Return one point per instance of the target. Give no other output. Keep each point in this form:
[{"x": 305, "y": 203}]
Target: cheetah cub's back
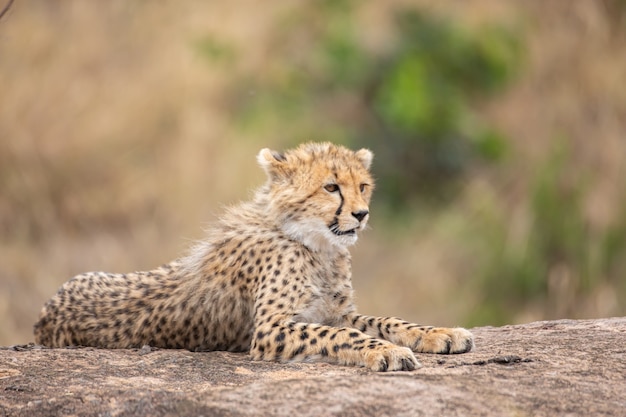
[{"x": 272, "y": 277}]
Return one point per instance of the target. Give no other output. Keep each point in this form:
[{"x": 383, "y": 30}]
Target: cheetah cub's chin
[
  {"x": 272, "y": 277},
  {"x": 316, "y": 235}
]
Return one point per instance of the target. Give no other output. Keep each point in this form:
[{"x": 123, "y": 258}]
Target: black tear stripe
[{"x": 338, "y": 212}]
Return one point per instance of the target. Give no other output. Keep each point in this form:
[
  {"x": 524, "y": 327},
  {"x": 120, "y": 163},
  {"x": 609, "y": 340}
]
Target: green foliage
[
  {"x": 560, "y": 231},
  {"x": 411, "y": 103},
  {"x": 437, "y": 70},
  {"x": 215, "y": 50},
  {"x": 561, "y": 260},
  {"x": 424, "y": 97}
]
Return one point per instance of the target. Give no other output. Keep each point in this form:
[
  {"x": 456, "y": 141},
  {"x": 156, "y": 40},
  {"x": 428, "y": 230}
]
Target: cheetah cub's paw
[
  {"x": 443, "y": 340},
  {"x": 391, "y": 358}
]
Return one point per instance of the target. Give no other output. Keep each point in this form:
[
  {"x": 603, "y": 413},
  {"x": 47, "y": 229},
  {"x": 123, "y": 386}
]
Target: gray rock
[{"x": 551, "y": 368}]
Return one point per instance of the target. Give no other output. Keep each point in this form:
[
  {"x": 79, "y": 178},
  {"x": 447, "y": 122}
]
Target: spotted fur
[{"x": 273, "y": 277}]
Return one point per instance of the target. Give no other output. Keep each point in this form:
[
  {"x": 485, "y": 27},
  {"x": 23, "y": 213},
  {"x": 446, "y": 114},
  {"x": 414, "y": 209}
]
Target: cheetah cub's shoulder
[{"x": 273, "y": 277}]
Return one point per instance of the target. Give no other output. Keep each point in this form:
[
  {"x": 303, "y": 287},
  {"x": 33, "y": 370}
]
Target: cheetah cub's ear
[
  {"x": 365, "y": 156},
  {"x": 272, "y": 162}
]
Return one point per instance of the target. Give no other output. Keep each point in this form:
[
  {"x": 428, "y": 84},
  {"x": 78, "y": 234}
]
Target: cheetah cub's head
[{"x": 319, "y": 193}]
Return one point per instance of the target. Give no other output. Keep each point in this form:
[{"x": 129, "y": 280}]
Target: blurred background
[{"x": 498, "y": 127}]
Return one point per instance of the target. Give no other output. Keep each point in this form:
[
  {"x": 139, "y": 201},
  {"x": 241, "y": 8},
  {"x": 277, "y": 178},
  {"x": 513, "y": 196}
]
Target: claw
[
  {"x": 469, "y": 345},
  {"x": 407, "y": 365},
  {"x": 448, "y": 347}
]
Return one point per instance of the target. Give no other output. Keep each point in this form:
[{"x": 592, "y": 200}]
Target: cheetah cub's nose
[{"x": 360, "y": 215}]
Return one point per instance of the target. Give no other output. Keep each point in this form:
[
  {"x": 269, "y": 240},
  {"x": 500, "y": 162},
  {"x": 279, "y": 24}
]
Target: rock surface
[{"x": 553, "y": 368}]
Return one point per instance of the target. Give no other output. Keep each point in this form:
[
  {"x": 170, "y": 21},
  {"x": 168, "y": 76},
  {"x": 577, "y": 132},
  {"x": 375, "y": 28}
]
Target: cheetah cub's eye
[
  {"x": 331, "y": 188},
  {"x": 362, "y": 187}
]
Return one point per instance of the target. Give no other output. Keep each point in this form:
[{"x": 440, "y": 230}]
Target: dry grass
[{"x": 116, "y": 143}]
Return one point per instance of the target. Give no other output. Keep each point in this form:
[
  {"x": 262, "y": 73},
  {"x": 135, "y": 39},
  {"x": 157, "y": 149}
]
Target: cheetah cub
[{"x": 271, "y": 278}]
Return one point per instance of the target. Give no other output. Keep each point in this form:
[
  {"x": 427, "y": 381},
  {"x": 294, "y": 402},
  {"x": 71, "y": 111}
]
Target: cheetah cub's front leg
[
  {"x": 280, "y": 339},
  {"x": 423, "y": 339}
]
